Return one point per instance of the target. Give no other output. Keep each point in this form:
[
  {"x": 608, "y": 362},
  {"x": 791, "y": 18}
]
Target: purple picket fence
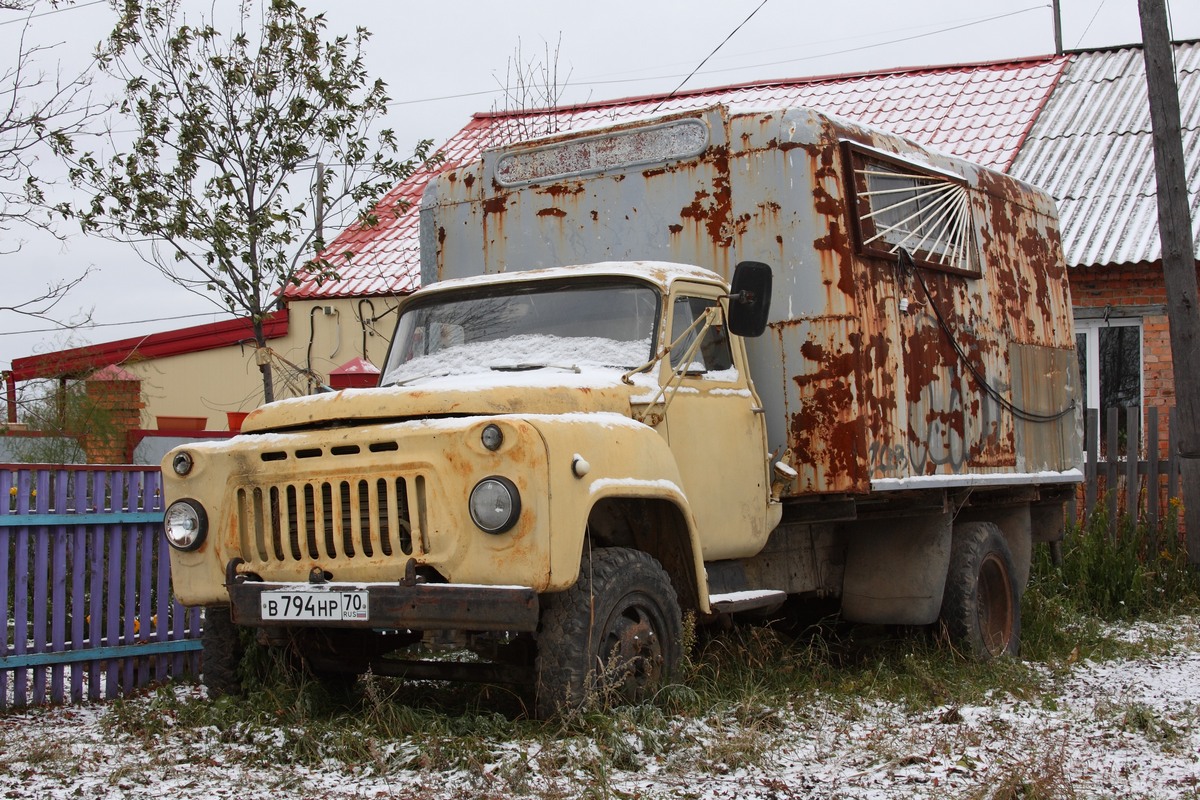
[{"x": 85, "y": 579}]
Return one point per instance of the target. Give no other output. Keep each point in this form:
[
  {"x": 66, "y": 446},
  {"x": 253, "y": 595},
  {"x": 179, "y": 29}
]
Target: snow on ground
[{"x": 1111, "y": 729}]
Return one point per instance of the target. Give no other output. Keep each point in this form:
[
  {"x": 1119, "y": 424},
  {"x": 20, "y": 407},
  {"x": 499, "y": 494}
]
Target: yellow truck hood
[{"x": 550, "y": 390}]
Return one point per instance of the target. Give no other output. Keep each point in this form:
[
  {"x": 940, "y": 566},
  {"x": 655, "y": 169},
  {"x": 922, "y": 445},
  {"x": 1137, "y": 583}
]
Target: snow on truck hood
[{"x": 546, "y": 390}]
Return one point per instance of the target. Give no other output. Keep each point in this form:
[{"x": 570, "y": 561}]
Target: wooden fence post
[
  {"x": 1132, "y": 452},
  {"x": 1110, "y": 472},
  {"x": 1172, "y": 460},
  {"x": 1152, "y": 481},
  {"x": 1091, "y": 473},
  {"x": 1152, "y": 468}
]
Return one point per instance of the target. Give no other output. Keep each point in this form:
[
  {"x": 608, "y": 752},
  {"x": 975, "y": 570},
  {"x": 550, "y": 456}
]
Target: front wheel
[
  {"x": 981, "y": 606},
  {"x": 222, "y": 655},
  {"x": 613, "y": 636}
]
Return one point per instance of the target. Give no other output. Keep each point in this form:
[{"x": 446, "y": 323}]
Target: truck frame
[{"x": 704, "y": 364}]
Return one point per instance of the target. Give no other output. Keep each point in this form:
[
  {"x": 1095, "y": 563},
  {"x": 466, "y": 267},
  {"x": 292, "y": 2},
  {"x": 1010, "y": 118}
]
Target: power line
[
  {"x": 856, "y": 37},
  {"x": 1091, "y": 21},
  {"x": 52, "y": 11},
  {"x": 458, "y": 96},
  {"x": 91, "y": 325},
  {"x": 713, "y": 53},
  {"x": 901, "y": 40}
]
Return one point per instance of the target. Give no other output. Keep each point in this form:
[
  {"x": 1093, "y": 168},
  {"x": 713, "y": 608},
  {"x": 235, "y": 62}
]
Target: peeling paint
[{"x": 863, "y": 381}]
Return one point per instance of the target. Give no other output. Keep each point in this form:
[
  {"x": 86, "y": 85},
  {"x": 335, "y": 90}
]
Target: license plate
[{"x": 317, "y": 606}]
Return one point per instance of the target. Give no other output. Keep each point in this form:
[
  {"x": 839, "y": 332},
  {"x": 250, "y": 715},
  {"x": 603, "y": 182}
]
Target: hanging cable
[
  {"x": 710, "y": 55},
  {"x": 981, "y": 380}
]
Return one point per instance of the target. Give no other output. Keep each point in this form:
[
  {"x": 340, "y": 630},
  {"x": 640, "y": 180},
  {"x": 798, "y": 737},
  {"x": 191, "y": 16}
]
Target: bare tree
[
  {"x": 42, "y": 114},
  {"x": 41, "y": 307},
  {"x": 531, "y": 95}
]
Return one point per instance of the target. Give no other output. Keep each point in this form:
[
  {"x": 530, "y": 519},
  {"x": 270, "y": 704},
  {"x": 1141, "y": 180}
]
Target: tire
[
  {"x": 613, "y": 637},
  {"x": 222, "y": 655},
  {"x": 981, "y": 605}
]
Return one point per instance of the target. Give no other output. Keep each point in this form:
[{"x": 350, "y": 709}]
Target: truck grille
[{"x": 358, "y": 518}]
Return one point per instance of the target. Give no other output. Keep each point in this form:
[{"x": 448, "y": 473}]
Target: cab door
[{"x": 715, "y": 427}]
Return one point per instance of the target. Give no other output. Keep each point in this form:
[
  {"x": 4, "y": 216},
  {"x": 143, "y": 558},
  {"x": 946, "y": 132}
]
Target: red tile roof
[
  {"x": 979, "y": 112},
  {"x": 81, "y": 360}
]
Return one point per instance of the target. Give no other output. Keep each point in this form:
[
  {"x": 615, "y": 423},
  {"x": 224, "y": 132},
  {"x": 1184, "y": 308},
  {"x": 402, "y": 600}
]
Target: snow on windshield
[
  {"x": 527, "y": 351},
  {"x": 559, "y": 324}
]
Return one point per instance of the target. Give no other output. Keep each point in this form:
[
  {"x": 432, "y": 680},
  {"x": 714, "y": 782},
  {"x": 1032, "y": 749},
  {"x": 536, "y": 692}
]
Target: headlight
[
  {"x": 495, "y": 504},
  {"x": 492, "y": 437},
  {"x": 185, "y": 524},
  {"x": 182, "y": 463}
]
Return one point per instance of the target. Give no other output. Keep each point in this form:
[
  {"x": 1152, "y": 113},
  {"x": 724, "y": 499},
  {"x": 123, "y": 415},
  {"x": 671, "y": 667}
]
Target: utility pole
[
  {"x": 319, "y": 204},
  {"x": 1178, "y": 256},
  {"x": 1058, "y": 44}
]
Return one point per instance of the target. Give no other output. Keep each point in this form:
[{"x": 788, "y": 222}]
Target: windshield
[{"x": 575, "y": 325}]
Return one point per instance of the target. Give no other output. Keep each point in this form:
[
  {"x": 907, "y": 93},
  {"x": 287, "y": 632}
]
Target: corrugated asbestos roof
[
  {"x": 1091, "y": 149},
  {"x": 979, "y": 112}
]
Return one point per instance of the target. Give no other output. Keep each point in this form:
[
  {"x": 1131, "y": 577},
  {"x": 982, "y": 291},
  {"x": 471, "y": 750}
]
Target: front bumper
[{"x": 402, "y": 606}]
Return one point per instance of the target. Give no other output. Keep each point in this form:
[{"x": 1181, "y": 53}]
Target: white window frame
[{"x": 1090, "y": 329}]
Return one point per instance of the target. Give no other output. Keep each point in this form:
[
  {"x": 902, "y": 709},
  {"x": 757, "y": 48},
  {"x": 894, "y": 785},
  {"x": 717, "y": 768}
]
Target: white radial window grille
[{"x": 927, "y": 215}]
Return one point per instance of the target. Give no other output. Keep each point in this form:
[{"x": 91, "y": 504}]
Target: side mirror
[{"x": 750, "y": 299}]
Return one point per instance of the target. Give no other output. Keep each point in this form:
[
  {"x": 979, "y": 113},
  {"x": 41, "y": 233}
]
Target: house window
[
  {"x": 899, "y": 205},
  {"x": 1110, "y": 369}
]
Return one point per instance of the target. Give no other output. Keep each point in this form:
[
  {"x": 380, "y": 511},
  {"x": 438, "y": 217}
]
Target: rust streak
[
  {"x": 497, "y": 204},
  {"x": 559, "y": 189}
]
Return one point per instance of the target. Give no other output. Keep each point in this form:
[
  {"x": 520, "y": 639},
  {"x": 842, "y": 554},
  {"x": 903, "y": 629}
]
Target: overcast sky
[{"x": 445, "y": 60}]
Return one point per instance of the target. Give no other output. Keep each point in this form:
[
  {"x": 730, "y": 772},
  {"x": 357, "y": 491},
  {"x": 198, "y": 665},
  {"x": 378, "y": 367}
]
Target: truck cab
[{"x": 520, "y": 421}]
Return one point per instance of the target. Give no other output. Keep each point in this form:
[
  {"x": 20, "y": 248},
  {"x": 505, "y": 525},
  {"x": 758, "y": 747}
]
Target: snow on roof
[{"x": 979, "y": 112}]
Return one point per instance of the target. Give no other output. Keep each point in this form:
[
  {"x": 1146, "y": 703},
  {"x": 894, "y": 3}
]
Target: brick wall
[
  {"x": 1136, "y": 289},
  {"x": 118, "y": 394}
]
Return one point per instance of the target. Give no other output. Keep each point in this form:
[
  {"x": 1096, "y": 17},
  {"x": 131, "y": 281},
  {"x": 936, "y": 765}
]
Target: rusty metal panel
[
  {"x": 978, "y": 112},
  {"x": 496, "y": 215},
  {"x": 1037, "y": 375},
  {"x": 871, "y": 374},
  {"x": 826, "y": 435}
]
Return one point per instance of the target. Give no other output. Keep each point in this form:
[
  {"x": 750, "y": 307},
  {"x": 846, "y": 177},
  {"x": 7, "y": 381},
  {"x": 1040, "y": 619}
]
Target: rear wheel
[
  {"x": 613, "y": 637},
  {"x": 981, "y": 605}
]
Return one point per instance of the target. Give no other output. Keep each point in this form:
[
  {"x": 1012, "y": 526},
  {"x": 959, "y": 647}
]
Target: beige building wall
[{"x": 321, "y": 336}]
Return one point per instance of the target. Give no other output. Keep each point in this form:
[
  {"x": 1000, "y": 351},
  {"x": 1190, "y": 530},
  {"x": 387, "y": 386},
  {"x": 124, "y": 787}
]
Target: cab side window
[{"x": 713, "y": 354}]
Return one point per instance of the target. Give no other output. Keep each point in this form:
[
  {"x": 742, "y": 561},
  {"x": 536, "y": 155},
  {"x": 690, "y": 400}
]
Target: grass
[
  {"x": 1038, "y": 775},
  {"x": 741, "y": 696},
  {"x": 1104, "y": 579}
]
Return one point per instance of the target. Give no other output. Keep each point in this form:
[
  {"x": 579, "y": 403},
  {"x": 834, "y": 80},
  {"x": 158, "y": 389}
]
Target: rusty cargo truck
[{"x": 583, "y": 432}]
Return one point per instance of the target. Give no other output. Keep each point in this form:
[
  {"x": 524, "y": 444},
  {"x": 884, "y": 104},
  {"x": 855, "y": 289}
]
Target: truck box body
[{"x": 874, "y": 377}]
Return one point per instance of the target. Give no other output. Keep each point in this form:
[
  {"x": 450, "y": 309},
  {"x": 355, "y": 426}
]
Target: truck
[{"x": 725, "y": 362}]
